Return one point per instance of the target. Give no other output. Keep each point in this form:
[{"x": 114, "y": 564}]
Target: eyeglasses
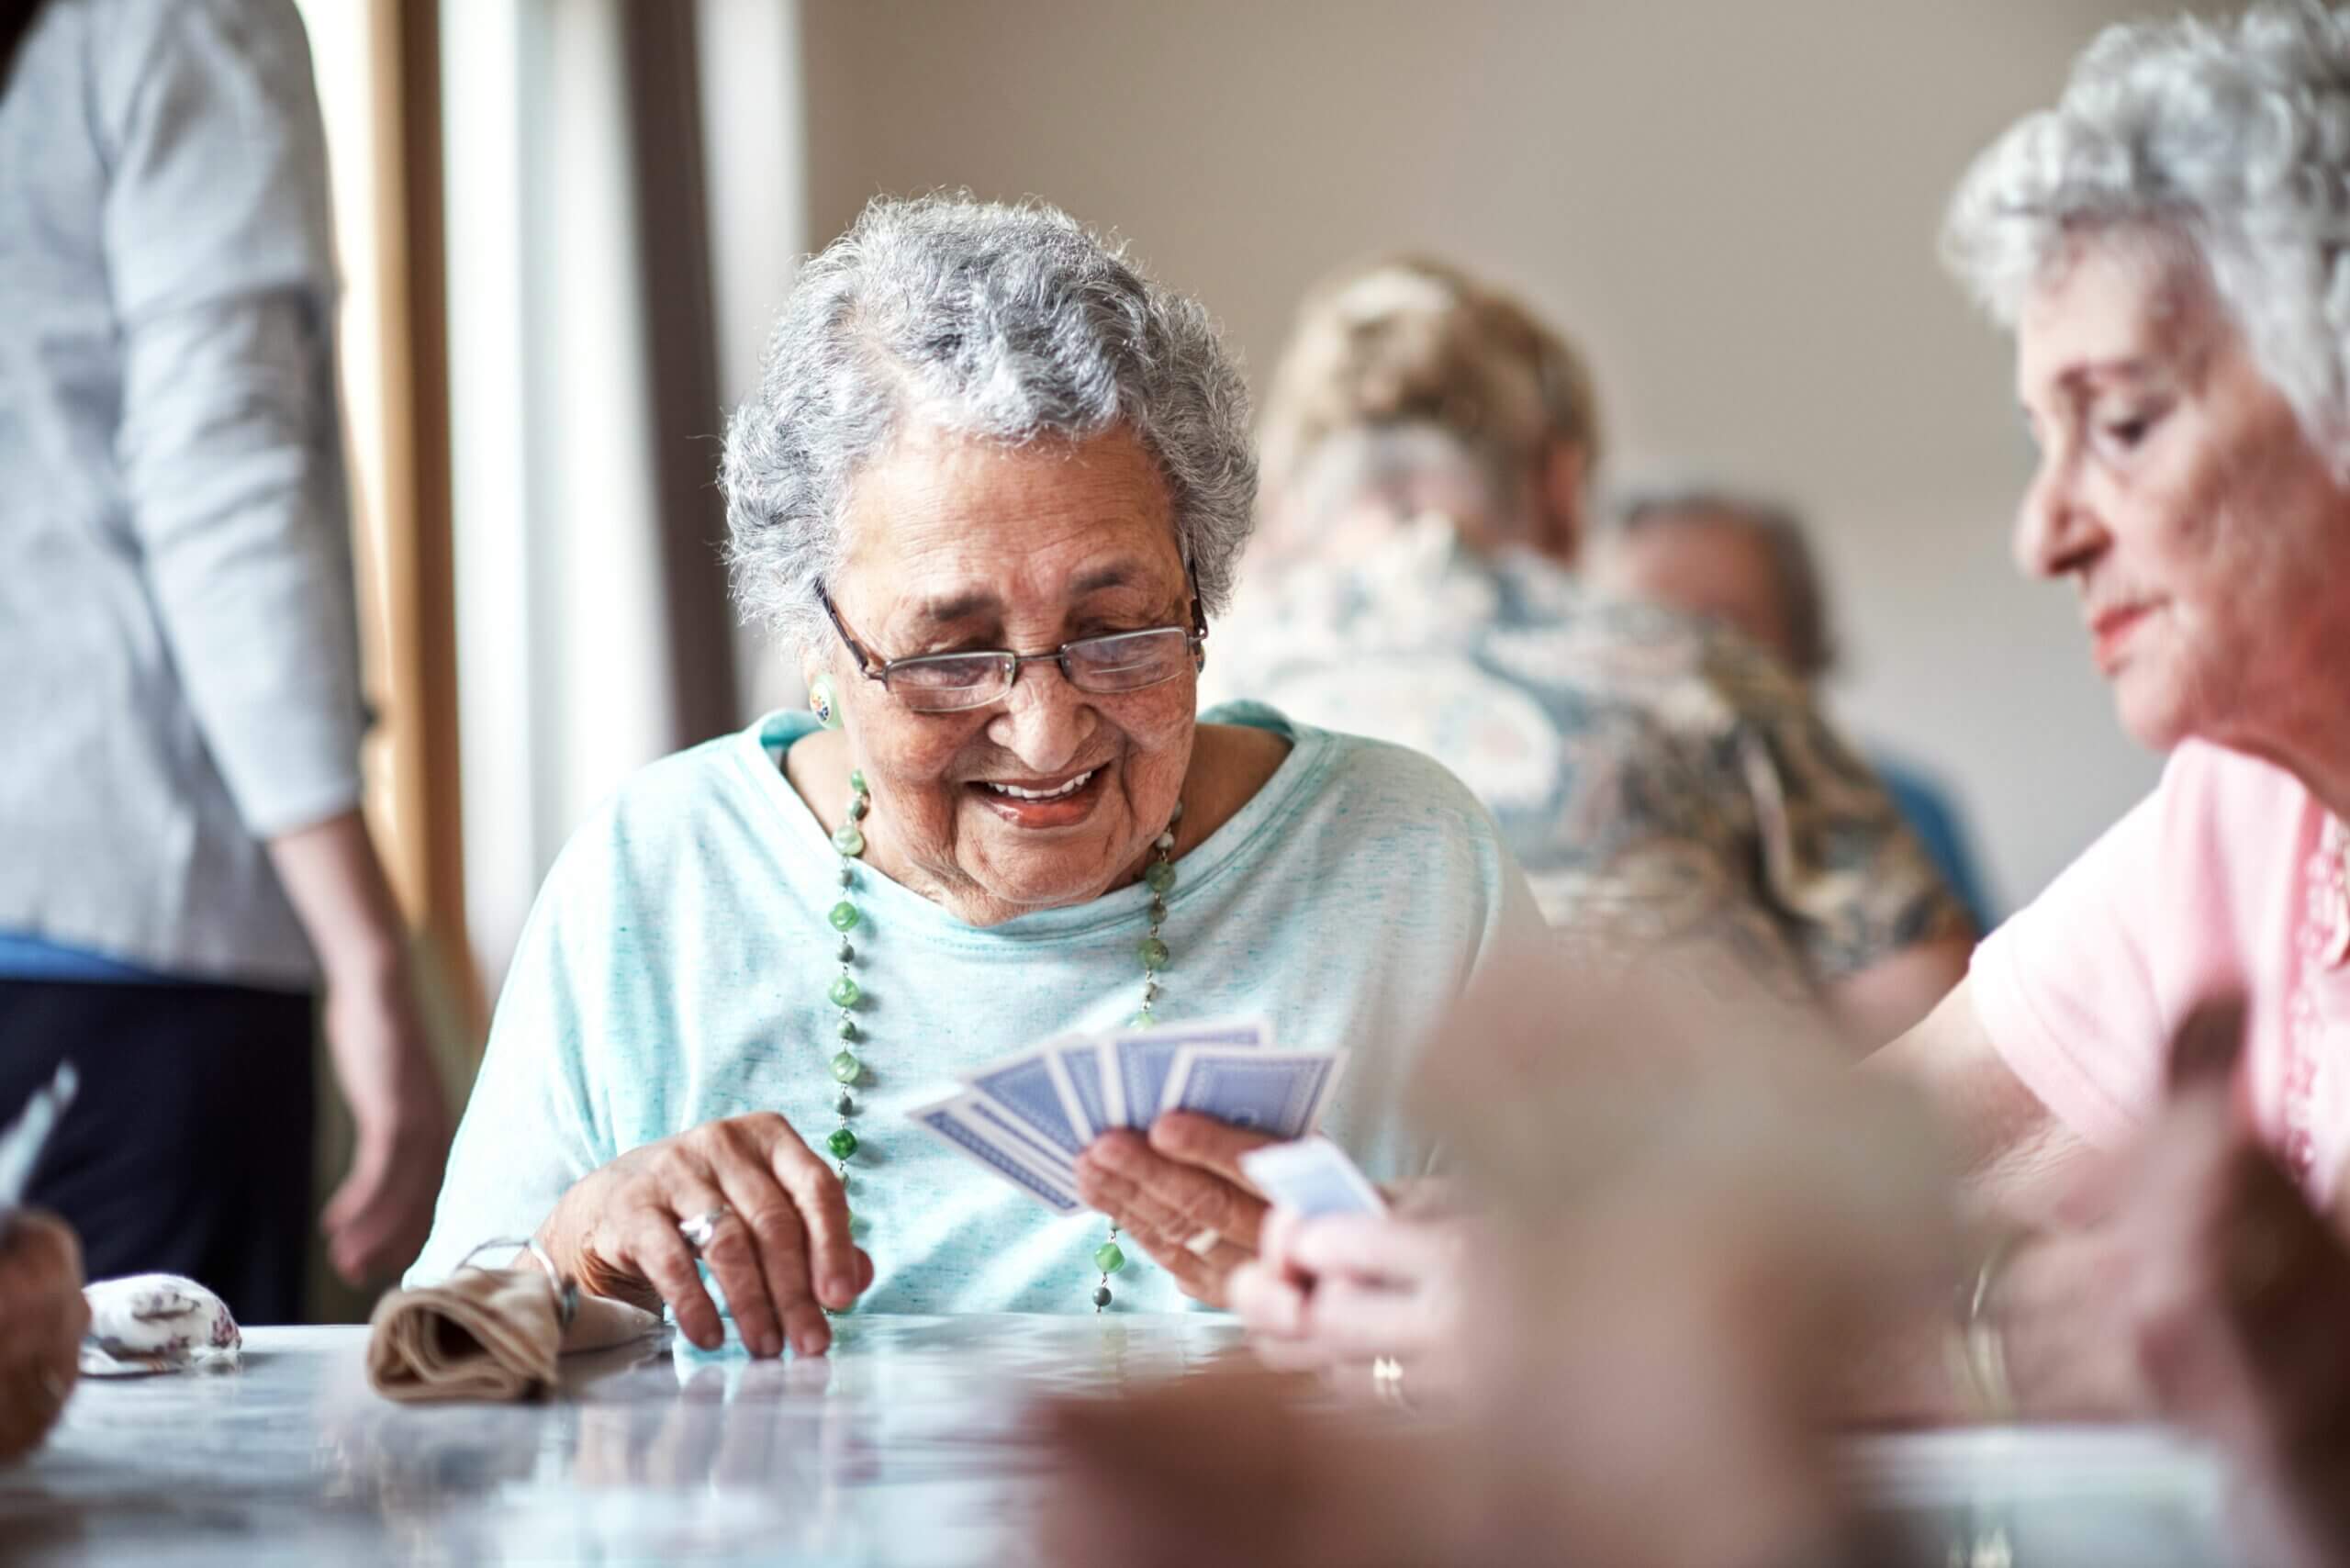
[{"x": 951, "y": 683}]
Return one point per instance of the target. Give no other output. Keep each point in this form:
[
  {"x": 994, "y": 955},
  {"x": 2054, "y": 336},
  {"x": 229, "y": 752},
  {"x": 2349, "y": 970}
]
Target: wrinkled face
[
  {"x": 2178, "y": 494},
  {"x": 1705, "y": 565},
  {"x": 955, "y": 547}
]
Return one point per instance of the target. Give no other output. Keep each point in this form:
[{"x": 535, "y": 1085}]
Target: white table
[{"x": 902, "y": 1446}]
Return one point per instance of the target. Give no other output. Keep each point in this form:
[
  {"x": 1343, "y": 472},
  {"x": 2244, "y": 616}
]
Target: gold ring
[{"x": 1203, "y": 1242}]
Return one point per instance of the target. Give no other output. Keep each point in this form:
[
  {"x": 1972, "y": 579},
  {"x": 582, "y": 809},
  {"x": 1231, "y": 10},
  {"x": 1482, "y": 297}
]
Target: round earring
[{"x": 819, "y": 698}]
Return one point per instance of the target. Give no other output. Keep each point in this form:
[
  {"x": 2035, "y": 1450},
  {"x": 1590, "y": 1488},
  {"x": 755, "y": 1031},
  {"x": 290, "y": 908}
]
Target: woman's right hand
[
  {"x": 43, "y": 1319},
  {"x": 1337, "y": 1294},
  {"x": 781, "y": 1254}
]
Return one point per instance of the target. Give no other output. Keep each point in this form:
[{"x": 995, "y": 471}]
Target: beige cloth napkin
[{"x": 487, "y": 1334}]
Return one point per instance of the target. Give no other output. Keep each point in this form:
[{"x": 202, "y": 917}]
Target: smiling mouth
[
  {"x": 1045, "y": 803},
  {"x": 1059, "y": 791}
]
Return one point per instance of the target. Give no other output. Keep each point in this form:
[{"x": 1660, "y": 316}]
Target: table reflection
[{"x": 906, "y": 1445}]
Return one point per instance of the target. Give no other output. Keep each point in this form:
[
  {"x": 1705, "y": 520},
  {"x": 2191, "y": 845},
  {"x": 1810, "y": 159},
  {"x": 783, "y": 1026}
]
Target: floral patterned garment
[{"x": 1659, "y": 780}]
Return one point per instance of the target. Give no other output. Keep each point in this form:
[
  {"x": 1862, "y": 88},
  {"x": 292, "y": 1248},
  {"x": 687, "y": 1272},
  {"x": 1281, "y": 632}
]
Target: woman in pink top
[
  {"x": 2171, "y": 246},
  {"x": 2167, "y": 245}
]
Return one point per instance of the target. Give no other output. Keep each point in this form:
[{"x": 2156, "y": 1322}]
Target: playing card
[
  {"x": 1027, "y": 1087},
  {"x": 22, "y": 1140},
  {"x": 1280, "y": 1093},
  {"x": 1136, "y": 1063},
  {"x": 1313, "y": 1176},
  {"x": 951, "y": 1122},
  {"x": 1076, "y": 1064},
  {"x": 1014, "y": 1135}
]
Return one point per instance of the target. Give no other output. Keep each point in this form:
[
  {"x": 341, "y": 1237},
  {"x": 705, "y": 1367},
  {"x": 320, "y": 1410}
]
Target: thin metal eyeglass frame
[{"x": 879, "y": 669}]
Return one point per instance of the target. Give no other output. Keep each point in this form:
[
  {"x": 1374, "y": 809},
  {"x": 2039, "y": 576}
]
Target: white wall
[{"x": 1731, "y": 203}]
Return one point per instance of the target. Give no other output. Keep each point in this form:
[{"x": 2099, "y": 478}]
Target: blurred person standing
[
  {"x": 1748, "y": 563},
  {"x": 184, "y": 866},
  {"x": 1428, "y": 445}
]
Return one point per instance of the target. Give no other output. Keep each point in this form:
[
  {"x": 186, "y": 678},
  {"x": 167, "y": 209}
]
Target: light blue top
[{"x": 673, "y": 971}]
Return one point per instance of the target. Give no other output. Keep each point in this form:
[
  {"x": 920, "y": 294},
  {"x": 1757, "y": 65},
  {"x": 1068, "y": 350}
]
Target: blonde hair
[{"x": 1409, "y": 340}]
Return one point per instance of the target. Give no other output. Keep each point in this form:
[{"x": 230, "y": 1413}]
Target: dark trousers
[{"x": 187, "y": 1150}]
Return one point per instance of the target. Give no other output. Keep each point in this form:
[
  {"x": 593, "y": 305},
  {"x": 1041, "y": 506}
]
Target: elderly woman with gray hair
[
  {"x": 990, "y": 488},
  {"x": 2167, "y": 245}
]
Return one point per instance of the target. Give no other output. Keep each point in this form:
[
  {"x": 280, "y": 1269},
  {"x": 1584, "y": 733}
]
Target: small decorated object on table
[{"x": 146, "y": 1324}]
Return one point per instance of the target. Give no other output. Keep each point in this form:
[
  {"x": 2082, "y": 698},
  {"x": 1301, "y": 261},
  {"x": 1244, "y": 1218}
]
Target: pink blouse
[{"x": 2229, "y": 876}]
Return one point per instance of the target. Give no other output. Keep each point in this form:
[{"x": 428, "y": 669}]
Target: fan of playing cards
[{"x": 1028, "y": 1118}]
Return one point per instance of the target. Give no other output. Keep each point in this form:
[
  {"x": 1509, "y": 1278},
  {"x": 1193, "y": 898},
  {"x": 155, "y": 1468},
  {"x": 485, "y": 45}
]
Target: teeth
[{"x": 1017, "y": 793}]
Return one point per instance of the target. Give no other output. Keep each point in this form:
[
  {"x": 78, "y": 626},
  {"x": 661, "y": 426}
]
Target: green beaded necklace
[{"x": 848, "y": 1068}]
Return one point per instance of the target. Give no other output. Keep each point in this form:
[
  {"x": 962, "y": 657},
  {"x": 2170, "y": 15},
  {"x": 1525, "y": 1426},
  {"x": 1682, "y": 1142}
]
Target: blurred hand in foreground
[
  {"x": 2238, "y": 1295},
  {"x": 43, "y": 1319},
  {"x": 1683, "y": 1221}
]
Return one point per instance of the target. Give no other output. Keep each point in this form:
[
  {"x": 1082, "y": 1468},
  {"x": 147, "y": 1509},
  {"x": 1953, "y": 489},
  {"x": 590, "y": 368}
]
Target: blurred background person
[
  {"x": 2164, "y": 245},
  {"x": 187, "y": 874},
  {"x": 1428, "y": 449},
  {"x": 1748, "y": 563}
]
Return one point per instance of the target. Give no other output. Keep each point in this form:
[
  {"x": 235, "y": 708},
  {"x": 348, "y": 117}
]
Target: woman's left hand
[{"x": 1182, "y": 1196}]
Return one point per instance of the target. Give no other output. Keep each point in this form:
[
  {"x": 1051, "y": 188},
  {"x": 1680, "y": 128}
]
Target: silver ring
[
  {"x": 1387, "y": 1382},
  {"x": 1203, "y": 1242},
  {"x": 702, "y": 1229}
]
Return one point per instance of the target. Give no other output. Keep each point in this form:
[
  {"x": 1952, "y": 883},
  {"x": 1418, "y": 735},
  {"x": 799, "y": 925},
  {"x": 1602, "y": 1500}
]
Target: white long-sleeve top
[{"x": 179, "y": 672}]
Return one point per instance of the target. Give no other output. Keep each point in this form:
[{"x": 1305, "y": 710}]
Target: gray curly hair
[
  {"x": 1010, "y": 323},
  {"x": 2230, "y": 139}
]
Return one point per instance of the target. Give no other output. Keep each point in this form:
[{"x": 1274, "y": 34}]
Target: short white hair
[
  {"x": 1007, "y": 323},
  {"x": 2231, "y": 138}
]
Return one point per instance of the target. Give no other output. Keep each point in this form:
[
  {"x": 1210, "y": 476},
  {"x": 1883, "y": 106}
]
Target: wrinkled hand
[
  {"x": 1332, "y": 1294},
  {"x": 1181, "y": 1187},
  {"x": 781, "y": 1256},
  {"x": 377, "y": 1219},
  {"x": 43, "y": 1319}
]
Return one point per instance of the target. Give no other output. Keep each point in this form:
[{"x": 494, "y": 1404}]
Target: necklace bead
[{"x": 844, "y": 993}]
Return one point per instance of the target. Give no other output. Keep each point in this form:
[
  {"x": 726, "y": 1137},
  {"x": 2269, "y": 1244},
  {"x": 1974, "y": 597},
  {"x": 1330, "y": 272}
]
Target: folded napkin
[
  {"x": 487, "y": 1334},
  {"x": 157, "y": 1323}
]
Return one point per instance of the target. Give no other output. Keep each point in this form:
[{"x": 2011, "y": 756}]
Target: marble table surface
[{"x": 904, "y": 1446}]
